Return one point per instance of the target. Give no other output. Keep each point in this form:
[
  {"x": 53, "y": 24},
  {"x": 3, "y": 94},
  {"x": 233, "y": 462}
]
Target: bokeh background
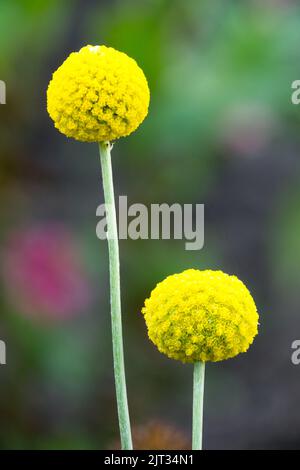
[{"x": 221, "y": 131}]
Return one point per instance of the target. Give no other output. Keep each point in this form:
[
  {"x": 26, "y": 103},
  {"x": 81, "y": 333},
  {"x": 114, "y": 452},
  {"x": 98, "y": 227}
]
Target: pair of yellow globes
[{"x": 98, "y": 95}]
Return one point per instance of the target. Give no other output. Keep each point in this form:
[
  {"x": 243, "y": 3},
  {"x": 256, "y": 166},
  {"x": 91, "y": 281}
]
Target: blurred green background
[{"x": 221, "y": 131}]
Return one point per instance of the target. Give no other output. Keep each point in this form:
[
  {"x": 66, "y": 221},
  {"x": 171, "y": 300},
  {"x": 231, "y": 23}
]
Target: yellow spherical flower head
[
  {"x": 201, "y": 316},
  {"x": 98, "y": 94}
]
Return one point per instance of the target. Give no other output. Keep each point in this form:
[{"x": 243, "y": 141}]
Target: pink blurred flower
[
  {"x": 247, "y": 129},
  {"x": 44, "y": 273}
]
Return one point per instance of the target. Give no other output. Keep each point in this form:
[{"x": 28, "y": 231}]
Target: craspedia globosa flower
[
  {"x": 98, "y": 94},
  {"x": 201, "y": 316}
]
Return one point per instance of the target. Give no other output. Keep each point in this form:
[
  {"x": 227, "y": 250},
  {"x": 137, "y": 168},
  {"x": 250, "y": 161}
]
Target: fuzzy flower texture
[
  {"x": 98, "y": 94},
  {"x": 201, "y": 316}
]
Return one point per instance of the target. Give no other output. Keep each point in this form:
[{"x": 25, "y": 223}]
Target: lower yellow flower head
[
  {"x": 201, "y": 316},
  {"x": 98, "y": 94}
]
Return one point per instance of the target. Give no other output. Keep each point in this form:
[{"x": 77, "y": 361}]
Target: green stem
[
  {"x": 198, "y": 394},
  {"x": 115, "y": 296}
]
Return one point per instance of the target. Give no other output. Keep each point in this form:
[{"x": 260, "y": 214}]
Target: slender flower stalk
[
  {"x": 115, "y": 296},
  {"x": 198, "y": 395}
]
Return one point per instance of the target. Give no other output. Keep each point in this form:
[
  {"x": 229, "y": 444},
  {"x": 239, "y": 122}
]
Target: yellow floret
[
  {"x": 211, "y": 316},
  {"x": 98, "y": 94}
]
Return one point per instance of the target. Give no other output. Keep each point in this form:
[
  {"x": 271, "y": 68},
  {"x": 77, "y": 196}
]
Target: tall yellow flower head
[
  {"x": 201, "y": 316},
  {"x": 98, "y": 94}
]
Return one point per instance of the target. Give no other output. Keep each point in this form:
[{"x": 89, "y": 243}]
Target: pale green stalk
[
  {"x": 115, "y": 296},
  {"x": 198, "y": 395}
]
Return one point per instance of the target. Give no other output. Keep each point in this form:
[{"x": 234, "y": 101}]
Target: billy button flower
[
  {"x": 98, "y": 95},
  {"x": 199, "y": 316}
]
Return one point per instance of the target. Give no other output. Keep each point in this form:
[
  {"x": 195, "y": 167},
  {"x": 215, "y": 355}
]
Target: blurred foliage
[
  {"x": 26, "y": 26},
  {"x": 221, "y": 131}
]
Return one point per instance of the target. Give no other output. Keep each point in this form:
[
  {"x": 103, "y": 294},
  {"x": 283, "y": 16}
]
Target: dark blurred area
[{"x": 222, "y": 131}]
